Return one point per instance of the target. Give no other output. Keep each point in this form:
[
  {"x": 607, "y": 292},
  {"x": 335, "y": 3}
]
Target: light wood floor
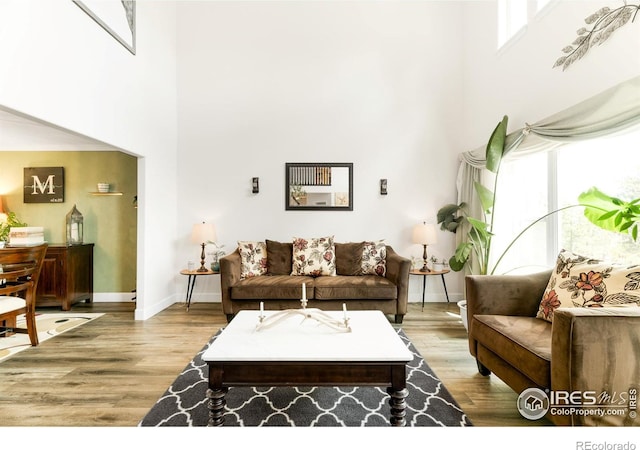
[{"x": 112, "y": 370}]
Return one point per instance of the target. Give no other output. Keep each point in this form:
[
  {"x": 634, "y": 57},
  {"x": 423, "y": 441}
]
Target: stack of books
[{"x": 26, "y": 236}]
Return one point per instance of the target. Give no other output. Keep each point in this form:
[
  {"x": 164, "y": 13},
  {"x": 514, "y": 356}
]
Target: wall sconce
[
  {"x": 255, "y": 186},
  {"x": 383, "y": 186}
]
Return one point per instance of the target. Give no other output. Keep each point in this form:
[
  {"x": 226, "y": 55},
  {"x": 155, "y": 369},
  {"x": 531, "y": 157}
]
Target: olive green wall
[{"x": 109, "y": 221}]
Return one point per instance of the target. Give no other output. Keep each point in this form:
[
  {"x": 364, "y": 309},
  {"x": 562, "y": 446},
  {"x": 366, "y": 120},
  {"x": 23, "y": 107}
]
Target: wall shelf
[{"x": 105, "y": 193}]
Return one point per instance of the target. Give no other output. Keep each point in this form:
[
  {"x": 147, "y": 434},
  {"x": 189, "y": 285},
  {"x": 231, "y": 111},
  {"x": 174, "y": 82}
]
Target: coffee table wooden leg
[
  {"x": 216, "y": 404},
  {"x": 398, "y": 406}
]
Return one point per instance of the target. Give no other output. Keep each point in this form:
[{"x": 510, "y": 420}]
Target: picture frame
[
  {"x": 116, "y": 18},
  {"x": 319, "y": 186},
  {"x": 43, "y": 185}
]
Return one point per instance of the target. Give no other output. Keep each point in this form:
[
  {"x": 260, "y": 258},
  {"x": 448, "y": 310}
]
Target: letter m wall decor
[{"x": 44, "y": 184}]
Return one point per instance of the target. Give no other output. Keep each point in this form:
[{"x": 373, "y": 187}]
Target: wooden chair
[{"x": 20, "y": 270}]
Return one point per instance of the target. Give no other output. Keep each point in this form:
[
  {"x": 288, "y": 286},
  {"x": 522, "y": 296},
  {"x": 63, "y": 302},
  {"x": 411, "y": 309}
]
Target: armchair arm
[
  {"x": 230, "y": 267},
  {"x": 509, "y": 295},
  {"x": 596, "y": 350},
  {"x": 398, "y": 268}
]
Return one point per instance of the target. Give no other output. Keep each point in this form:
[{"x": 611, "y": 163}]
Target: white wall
[
  {"x": 60, "y": 67},
  {"x": 265, "y": 83}
]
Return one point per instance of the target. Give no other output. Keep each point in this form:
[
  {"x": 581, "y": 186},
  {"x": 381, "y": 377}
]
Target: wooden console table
[{"x": 66, "y": 276}]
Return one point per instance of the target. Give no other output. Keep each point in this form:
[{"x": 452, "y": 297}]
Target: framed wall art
[
  {"x": 118, "y": 18},
  {"x": 44, "y": 184},
  {"x": 319, "y": 186}
]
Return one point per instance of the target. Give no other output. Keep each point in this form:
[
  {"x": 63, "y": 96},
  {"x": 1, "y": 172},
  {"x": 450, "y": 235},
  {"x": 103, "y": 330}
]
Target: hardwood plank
[{"x": 112, "y": 370}]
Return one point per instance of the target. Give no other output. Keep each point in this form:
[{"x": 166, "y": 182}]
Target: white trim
[{"x": 113, "y": 297}]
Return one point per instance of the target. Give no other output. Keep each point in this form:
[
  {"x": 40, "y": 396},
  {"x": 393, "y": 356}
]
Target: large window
[{"x": 532, "y": 185}]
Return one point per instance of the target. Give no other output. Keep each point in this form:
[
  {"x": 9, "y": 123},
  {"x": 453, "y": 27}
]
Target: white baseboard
[{"x": 113, "y": 297}]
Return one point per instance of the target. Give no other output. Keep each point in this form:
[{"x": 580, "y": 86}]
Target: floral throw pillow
[
  {"x": 374, "y": 258},
  {"x": 253, "y": 256},
  {"x": 314, "y": 257},
  {"x": 582, "y": 282}
]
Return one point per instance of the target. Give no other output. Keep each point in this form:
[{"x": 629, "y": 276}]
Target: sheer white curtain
[{"x": 612, "y": 111}]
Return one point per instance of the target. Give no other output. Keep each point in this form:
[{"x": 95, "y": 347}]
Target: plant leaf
[
  {"x": 461, "y": 256},
  {"x": 485, "y": 195},
  {"x": 447, "y": 211},
  {"x": 598, "y": 204},
  {"x": 495, "y": 146}
]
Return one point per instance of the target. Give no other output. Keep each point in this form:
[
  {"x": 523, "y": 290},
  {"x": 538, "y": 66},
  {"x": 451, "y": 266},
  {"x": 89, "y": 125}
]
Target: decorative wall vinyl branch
[{"x": 605, "y": 21}]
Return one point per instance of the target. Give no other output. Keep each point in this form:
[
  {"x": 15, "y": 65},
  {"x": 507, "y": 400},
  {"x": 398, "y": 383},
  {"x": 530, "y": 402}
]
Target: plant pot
[{"x": 462, "y": 304}]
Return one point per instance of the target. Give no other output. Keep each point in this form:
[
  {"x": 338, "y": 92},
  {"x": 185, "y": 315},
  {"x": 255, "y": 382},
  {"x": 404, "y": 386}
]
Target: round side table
[
  {"x": 191, "y": 281},
  {"x": 424, "y": 280}
]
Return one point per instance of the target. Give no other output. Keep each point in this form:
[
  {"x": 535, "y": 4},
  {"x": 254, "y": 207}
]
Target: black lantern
[{"x": 74, "y": 227}]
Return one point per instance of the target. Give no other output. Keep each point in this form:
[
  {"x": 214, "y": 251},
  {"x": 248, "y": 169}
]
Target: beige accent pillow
[
  {"x": 253, "y": 256},
  {"x": 314, "y": 256},
  {"x": 374, "y": 258},
  {"x": 582, "y": 282}
]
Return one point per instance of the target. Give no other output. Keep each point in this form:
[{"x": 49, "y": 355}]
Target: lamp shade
[
  {"x": 203, "y": 232},
  {"x": 424, "y": 234}
]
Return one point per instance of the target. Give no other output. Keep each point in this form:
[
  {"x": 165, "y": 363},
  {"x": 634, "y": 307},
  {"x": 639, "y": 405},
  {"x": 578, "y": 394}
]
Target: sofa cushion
[
  {"x": 524, "y": 342},
  {"x": 314, "y": 256},
  {"x": 253, "y": 258},
  {"x": 374, "y": 258},
  {"x": 272, "y": 287},
  {"x": 365, "y": 287},
  {"x": 349, "y": 258},
  {"x": 279, "y": 257},
  {"x": 582, "y": 282}
]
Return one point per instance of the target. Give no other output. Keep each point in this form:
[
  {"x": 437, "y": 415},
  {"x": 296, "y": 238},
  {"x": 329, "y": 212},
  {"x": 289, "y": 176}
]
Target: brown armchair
[
  {"x": 585, "y": 350},
  {"x": 20, "y": 270}
]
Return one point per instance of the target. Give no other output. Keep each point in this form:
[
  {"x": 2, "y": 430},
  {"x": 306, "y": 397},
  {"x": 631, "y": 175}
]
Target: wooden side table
[
  {"x": 424, "y": 281},
  {"x": 191, "y": 281}
]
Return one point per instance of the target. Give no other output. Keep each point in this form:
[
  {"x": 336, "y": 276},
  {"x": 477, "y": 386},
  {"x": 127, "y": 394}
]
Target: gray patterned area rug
[{"x": 428, "y": 403}]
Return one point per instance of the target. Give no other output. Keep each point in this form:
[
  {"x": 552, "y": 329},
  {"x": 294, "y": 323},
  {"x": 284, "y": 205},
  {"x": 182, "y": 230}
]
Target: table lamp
[
  {"x": 424, "y": 234},
  {"x": 201, "y": 234}
]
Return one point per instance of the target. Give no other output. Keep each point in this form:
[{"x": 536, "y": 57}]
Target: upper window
[
  {"x": 512, "y": 17},
  {"x": 540, "y": 4}
]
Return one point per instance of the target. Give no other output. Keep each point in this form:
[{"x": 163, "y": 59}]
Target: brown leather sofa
[
  {"x": 388, "y": 293},
  {"x": 590, "y": 352}
]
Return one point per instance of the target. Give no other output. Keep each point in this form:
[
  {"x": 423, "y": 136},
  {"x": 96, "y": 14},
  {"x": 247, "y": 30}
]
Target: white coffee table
[{"x": 304, "y": 353}]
